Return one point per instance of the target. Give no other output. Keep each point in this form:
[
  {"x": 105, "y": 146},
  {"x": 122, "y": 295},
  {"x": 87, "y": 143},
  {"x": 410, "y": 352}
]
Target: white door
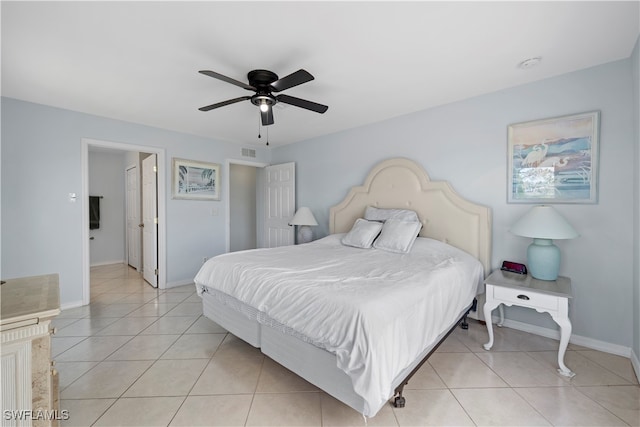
[
  {"x": 150, "y": 220},
  {"x": 280, "y": 204},
  {"x": 133, "y": 219}
]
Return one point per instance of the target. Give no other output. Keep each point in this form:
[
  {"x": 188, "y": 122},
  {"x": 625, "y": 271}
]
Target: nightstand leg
[
  {"x": 565, "y": 333},
  {"x": 489, "y": 306},
  {"x": 501, "y": 311}
]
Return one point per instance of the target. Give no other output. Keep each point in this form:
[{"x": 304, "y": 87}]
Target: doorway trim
[
  {"x": 227, "y": 194},
  {"x": 127, "y": 247},
  {"x": 162, "y": 231}
]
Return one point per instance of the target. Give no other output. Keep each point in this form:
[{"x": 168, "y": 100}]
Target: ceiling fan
[{"x": 263, "y": 83}]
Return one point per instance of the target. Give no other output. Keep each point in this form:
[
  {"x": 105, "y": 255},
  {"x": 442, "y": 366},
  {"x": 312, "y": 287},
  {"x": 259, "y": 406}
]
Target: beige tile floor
[{"x": 137, "y": 356}]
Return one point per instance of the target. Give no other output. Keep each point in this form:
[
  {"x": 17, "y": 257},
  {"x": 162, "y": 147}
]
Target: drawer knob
[{"x": 524, "y": 297}]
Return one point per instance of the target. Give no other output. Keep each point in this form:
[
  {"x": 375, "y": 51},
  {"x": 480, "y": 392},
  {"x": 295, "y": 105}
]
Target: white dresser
[{"x": 29, "y": 382}]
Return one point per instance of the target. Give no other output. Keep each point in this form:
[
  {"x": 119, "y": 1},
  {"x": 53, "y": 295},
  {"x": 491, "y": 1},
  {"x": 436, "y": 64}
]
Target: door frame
[
  {"x": 126, "y": 240},
  {"x": 85, "y": 143},
  {"x": 227, "y": 195}
]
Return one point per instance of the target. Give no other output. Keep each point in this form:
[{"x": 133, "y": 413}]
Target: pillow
[
  {"x": 376, "y": 214},
  {"x": 362, "y": 234},
  {"x": 397, "y": 236}
]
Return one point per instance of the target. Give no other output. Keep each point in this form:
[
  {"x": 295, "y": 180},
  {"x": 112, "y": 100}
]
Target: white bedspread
[{"x": 375, "y": 310}]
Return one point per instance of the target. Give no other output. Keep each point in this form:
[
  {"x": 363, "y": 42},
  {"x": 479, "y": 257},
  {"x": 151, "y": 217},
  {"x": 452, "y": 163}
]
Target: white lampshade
[
  {"x": 304, "y": 216},
  {"x": 544, "y": 222}
]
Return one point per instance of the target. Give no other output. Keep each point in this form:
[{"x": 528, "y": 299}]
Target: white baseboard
[
  {"x": 98, "y": 264},
  {"x": 179, "y": 283},
  {"x": 68, "y": 305},
  {"x": 636, "y": 364},
  {"x": 591, "y": 343}
]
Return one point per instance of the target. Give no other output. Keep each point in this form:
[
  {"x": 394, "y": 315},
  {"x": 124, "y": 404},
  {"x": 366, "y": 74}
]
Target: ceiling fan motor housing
[{"x": 261, "y": 80}]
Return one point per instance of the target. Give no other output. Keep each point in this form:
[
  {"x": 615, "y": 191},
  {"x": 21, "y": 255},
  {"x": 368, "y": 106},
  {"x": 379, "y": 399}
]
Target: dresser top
[{"x": 29, "y": 298}]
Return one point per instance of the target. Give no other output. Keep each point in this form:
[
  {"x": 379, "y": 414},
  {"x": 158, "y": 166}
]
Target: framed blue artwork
[{"x": 554, "y": 160}]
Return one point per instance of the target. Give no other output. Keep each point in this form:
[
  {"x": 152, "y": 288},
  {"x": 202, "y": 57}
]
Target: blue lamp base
[{"x": 543, "y": 258}]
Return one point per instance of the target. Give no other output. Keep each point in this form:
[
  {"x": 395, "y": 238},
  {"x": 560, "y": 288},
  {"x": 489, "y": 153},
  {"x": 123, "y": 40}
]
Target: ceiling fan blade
[
  {"x": 302, "y": 103},
  {"x": 293, "y": 79},
  {"x": 267, "y": 117},
  {"x": 223, "y": 103},
  {"x": 226, "y": 79}
]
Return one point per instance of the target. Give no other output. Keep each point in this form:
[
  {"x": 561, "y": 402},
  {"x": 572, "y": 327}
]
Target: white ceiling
[{"x": 139, "y": 61}]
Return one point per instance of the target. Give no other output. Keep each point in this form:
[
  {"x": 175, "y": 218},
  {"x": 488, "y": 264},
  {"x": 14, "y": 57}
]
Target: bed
[{"x": 289, "y": 301}]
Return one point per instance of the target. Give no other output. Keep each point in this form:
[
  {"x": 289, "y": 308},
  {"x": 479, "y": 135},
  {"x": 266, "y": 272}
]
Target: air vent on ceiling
[{"x": 248, "y": 152}]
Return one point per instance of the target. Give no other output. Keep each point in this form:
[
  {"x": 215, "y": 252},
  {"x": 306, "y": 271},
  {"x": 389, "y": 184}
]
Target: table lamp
[
  {"x": 543, "y": 223},
  {"x": 304, "y": 219}
]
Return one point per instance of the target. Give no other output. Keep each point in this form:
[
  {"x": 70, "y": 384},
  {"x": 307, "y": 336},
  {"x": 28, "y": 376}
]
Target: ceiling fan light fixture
[{"x": 263, "y": 101}]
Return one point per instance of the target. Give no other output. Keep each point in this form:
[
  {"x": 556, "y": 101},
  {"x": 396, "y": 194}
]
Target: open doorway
[
  {"x": 273, "y": 189},
  {"x": 244, "y": 207},
  {"x": 160, "y": 250}
]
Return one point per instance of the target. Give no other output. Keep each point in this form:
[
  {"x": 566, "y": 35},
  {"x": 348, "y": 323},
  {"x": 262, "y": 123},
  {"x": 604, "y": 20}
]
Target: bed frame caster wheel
[
  {"x": 464, "y": 324},
  {"x": 399, "y": 402}
]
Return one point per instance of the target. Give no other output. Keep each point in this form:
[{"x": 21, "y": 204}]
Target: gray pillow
[
  {"x": 362, "y": 234},
  {"x": 397, "y": 236},
  {"x": 378, "y": 214}
]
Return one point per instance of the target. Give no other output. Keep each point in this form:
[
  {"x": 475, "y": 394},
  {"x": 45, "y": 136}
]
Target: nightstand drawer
[{"x": 525, "y": 298}]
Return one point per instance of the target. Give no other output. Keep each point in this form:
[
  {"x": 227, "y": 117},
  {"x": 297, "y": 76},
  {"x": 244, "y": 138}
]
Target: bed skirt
[{"x": 314, "y": 364}]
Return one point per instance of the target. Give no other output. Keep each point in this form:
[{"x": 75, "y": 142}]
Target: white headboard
[{"x": 445, "y": 215}]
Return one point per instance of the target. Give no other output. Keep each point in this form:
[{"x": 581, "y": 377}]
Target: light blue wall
[
  {"x": 465, "y": 143},
  {"x": 41, "y": 165}
]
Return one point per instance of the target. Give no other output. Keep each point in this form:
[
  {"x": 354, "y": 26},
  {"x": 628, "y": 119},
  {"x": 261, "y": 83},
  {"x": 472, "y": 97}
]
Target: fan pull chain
[
  {"x": 259, "y": 136},
  {"x": 260, "y": 128}
]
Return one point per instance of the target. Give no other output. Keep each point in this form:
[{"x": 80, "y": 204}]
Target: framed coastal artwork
[
  {"x": 195, "y": 180},
  {"x": 554, "y": 160}
]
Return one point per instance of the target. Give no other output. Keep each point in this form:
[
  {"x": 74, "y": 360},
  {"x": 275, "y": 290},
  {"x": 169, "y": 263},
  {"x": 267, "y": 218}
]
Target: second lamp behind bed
[{"x": 304, "y": 219}]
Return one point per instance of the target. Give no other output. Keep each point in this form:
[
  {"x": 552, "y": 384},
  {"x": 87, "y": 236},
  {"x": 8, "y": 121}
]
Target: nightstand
[{"x": 550, "y": 296}]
